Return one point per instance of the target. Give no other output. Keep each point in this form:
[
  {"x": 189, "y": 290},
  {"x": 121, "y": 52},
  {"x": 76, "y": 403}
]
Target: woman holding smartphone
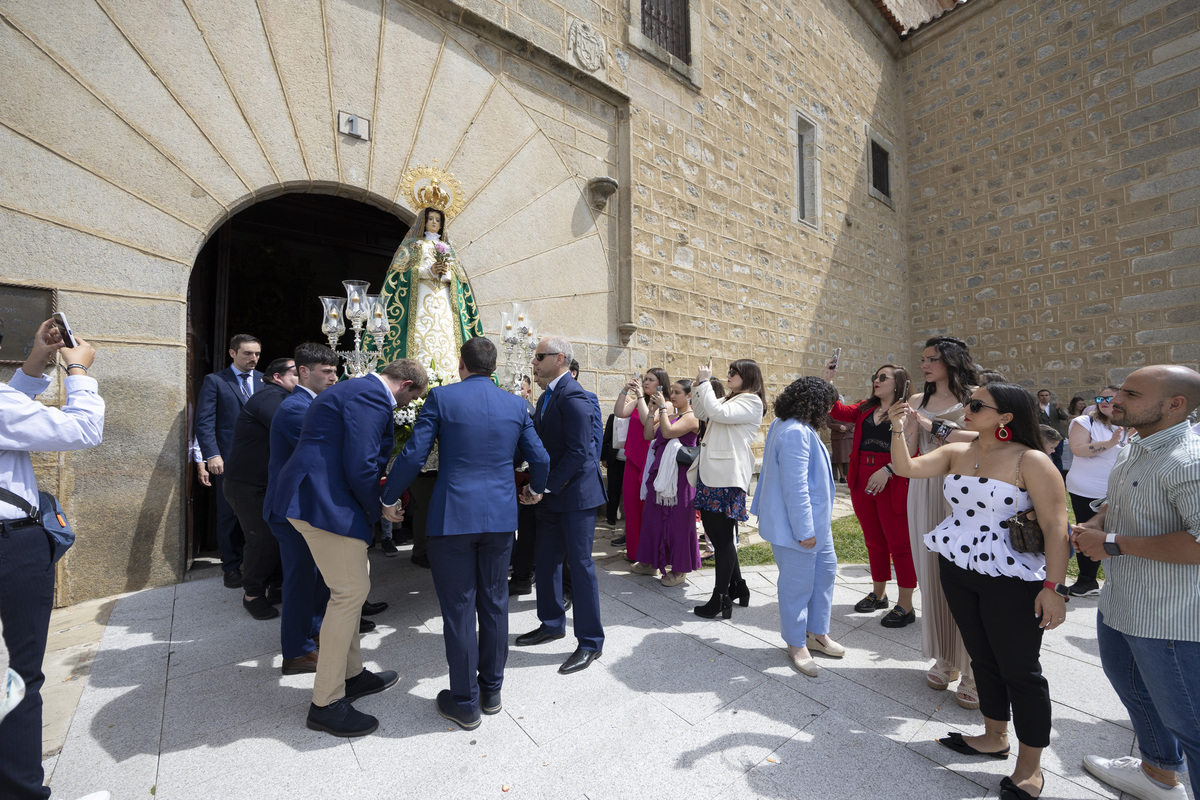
[
  {"x": 1003, "y": 599},
  {"x": 1095, "y": 443},
  {"x": 880, "y": 497},
  {"x": 724, "y": 469},
  {"x": 633, "y": 403}
]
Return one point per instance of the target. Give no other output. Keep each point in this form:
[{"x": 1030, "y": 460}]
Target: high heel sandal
[
  {"x": 719, "y": 604},
  {"x": 739, "y": 591}
]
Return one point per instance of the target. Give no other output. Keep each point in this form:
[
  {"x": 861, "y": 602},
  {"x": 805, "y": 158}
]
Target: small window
[
  {"x": 879, "y": 170},
  {"x": 666, "y": 23},
  {"x": 807, "y": 137}
]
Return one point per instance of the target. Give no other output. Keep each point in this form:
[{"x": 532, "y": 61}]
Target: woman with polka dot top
[{"x": 1000, "y": 598}]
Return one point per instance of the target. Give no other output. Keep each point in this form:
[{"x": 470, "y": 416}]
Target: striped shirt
[{"x": 1153, "y": 490}]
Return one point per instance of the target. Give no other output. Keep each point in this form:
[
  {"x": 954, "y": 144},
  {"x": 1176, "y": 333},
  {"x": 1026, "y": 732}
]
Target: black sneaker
[
  {"x": 389, "y": 549},
  {"x": 260, "y": 608},
  {"x": 1084, "y": 588},
  {"x": 617, "y": 541},
  {"x": 898, "y": 617},
  {"x": 871, "y": 603}
]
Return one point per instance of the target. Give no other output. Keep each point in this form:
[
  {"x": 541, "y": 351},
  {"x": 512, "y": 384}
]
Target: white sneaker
[{"x": 1126, "y": 774}]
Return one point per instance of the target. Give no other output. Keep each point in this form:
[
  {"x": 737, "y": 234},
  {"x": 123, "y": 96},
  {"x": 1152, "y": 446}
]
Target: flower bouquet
[
  {"x": 405, "y": 417},
  {"x": 441, "y": 256}
]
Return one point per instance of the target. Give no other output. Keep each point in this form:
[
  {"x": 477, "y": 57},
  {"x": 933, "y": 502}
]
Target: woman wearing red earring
[{"x": 1003, "y": 599}]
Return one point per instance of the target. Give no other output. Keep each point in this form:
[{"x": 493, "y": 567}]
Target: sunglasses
[
  {"x": 1108, "y": 399},
  {"x": 541, "y": 356},
  {"x": 976, "y": 405},
  {"x": 732, "y": 372}
]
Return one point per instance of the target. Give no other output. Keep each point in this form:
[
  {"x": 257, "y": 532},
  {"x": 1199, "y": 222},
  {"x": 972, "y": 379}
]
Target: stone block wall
[{"x": 1054, "y": 177}]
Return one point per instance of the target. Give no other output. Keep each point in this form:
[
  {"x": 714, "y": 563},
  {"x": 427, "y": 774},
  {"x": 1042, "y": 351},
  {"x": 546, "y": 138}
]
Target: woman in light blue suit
[{"x": 794, "y": 505}]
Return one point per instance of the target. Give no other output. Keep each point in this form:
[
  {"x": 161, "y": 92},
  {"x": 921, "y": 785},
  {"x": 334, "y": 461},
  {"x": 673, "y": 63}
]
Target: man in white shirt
[{"x": 26, "y": 561}]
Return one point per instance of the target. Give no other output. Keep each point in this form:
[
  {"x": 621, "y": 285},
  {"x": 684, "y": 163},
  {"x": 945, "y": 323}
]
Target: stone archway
[{"x": 172, "y": 117}]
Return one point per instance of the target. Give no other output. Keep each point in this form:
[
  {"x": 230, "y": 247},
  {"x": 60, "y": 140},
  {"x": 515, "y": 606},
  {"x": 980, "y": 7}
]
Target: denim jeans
[{"x": 1159, "y": 684}]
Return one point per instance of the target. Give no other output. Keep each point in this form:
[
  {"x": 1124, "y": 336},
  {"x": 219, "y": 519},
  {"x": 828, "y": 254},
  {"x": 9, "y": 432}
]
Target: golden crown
[{"x": 433, "y": 187}]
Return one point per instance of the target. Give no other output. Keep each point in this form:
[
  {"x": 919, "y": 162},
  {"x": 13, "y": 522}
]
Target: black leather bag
[{"x": 686, "y": 456}]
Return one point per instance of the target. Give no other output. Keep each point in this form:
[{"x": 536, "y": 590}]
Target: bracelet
[
  {"x": 70, "y": 367},
  {"x": 888, "y": 467}
]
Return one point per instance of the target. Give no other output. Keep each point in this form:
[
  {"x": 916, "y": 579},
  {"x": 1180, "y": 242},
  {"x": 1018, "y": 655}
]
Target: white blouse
[{"x": 971, "y": 536}]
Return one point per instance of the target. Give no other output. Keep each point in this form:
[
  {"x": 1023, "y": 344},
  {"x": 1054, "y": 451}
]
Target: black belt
[{"x": 7, "y": 525}]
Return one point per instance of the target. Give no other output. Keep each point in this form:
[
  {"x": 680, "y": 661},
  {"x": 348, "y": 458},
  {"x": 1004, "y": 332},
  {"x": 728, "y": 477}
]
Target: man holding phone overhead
[{"x": 26, "y": 554}]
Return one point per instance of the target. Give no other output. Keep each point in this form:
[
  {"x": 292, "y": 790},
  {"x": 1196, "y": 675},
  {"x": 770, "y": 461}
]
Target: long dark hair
[
  {"x": 807, "y": 399},
  {"x": 960, "y": 369},
  {"x": 752, "y": 379},
  {"x": 664, "y": 380},
  {"x": 1016, "y": 400},
  {"x": 900, "y": 376}
]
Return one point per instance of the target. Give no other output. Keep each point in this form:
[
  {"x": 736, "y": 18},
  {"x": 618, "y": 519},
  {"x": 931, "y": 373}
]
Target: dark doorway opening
[{"x": 261, "y": 273}]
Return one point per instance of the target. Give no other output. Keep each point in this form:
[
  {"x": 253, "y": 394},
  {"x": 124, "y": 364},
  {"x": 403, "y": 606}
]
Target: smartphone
[
  {"x": 837, "y": 357},
  {"x": 907, "y": 389},
  {"x": 64, "y": 328}
]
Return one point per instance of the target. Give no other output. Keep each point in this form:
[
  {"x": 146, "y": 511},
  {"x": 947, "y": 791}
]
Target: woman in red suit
[
  {"x": 632, "y": 403},
  {"x": 879, "y": 496}
]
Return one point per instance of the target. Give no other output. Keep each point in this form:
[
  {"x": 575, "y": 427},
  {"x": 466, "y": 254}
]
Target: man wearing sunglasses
[{"x": 1147, "y": 534}]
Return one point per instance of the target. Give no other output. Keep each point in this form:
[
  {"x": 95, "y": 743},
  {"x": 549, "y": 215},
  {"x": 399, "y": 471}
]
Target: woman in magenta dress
[
  {"x": 668, "y": 535},
  {"x": 632, "y": 404}
]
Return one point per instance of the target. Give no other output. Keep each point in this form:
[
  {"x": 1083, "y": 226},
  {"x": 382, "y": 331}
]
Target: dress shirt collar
[
  {"x": 1164, "y": 438},
  {"x": 386, "y": 388},
  {"x": 553, "y": 385},
  {"x": 305, "y": 388}
]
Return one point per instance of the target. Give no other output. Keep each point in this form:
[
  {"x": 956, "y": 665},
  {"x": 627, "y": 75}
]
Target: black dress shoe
[
  {"x": 446, "y": 707},
  {"x": 420, "y": 561},
  {"x": 617, "y": 541},
  {"x": 541, "y": 634},
  {"x": 341, "y": 719},
  {"x": 365, "y": 625},
  {"x": 489, "y": 702},
  {"x": 275, "y": 595},
  {"x": 898, "y": 617},
  {"x": 518, "y": 587},
  {"x": 367, "y": 682},
  {"x": 871, "y": 603},
  {"x": 579, "y": 660},
  {"x": 370, "y": 609},
  {"x": 568, "y": 601},
  {"x": 260, "y": 608},
  {"x": 233, "y": 579}
]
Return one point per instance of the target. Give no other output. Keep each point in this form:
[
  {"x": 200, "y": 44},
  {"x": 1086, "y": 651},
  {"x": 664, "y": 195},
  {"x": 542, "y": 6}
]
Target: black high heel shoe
[
  {"x": 739, "y": 591},
  {"x": 719, "y": 604}
]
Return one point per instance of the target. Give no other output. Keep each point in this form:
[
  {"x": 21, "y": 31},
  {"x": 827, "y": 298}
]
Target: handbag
[
  {"x": 686, "y": 454},
  {"x": 50, "y": 514},
  {"x": 1024, "y": 532}
]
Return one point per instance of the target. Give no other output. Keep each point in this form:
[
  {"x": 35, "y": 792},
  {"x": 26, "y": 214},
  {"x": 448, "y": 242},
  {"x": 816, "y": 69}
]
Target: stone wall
[
  {"x": 1054, "y": 172},
  {"x": 722, "y": 267}
]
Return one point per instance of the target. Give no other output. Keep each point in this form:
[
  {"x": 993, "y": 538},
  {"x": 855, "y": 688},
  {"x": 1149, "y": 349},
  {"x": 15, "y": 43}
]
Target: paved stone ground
[{"x": 185, "y": 700}]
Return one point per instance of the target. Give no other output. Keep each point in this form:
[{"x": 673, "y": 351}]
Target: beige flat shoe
[
  {"x": 638, "y": 568},
  {"x": 674, "y": 578},
  {"x": 805, "y": 666},
  {"x": 833, "y": 649}
]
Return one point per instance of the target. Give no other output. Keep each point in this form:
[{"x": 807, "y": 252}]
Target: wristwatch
[
  {"x": 1110, "y": 545},
  {"x": 1059, "y": 589}
]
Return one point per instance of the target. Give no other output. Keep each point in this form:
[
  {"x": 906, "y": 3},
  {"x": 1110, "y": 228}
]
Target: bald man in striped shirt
[{"x": 1147, "y": 533}]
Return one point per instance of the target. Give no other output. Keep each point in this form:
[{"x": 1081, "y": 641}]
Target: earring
[{"x": 1003, "y": 433}]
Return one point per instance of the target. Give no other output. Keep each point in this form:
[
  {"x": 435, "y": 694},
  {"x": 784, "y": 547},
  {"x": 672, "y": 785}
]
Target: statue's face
[{"x": 433, "y": 221}]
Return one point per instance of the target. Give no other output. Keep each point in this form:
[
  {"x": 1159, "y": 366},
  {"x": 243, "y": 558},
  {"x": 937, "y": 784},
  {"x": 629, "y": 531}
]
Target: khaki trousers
[{"x": 343, "y": 564}]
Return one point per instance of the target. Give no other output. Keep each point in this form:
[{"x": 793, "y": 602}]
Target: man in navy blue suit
[
  {"x": 480, "y": 429},
  {"x": 566, "y": 515},
  {"x": 222, "y": 396},
  {"x": 304, "y": 591},
  {"x": 329, "y": 491}
]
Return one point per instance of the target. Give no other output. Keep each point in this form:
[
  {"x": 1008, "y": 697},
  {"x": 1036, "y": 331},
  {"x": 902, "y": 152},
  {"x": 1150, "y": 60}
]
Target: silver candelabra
[
  {"x": 366, "y": 312},
  {"x": 520, "y": 339}
]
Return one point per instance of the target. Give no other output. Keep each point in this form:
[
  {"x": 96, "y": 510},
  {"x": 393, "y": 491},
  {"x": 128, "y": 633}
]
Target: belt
[
  {"x": 7, "y": 525},
  {"x": 869, "y": 458}
]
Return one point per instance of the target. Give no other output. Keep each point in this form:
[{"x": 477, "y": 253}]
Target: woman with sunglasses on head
[
  {"x": 668, "y": 536},
  {"x": 1094, "y": 443},
  {"x": 937, "y": 414},
  {"x": 633, "y": 403},
  {"x": 880, "y": 498},
  {"x": 724, "y": 469},
  {"x": 999, "y": 595}
]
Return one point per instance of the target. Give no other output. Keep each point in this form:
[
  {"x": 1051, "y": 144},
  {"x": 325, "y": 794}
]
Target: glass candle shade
[
  {"x": 377, "y": 316},
  {"x": 333, "y": 321},
  {"x": 356, "y": 300}
]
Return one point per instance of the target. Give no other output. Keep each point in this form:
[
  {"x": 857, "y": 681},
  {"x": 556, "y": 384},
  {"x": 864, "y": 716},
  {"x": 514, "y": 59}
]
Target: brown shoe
[{"x": 305, "y": 663}]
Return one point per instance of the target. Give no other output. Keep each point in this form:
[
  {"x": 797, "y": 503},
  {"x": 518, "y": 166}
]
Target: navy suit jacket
[
  {"x": 480, "y": 430},
  {"x": 597, "y": 423},
  {"x": 285, "y": 433},
  {"x": 217, "y": 408},
  {"x": 331, "y": 481},
  {"x": 566, "y": 423},
  {"x": 247, "y": 459}
]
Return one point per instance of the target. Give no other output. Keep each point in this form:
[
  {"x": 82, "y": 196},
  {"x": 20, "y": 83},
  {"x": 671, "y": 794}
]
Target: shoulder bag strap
[
  {"x": 1023, "y": 452},
  {"x": 19, "y": 502}
]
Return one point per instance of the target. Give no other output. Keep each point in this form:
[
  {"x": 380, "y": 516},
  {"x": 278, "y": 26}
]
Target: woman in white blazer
[
  {"x": 794, "y": 506},
  {"x": 725, "y": 466}
]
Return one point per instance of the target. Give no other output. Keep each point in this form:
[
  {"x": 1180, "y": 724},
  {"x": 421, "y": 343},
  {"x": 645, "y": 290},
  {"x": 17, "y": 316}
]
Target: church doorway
[{"x": 261, "y": 273}]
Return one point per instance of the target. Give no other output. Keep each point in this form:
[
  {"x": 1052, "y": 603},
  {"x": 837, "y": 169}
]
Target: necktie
[
  {"x": 245, "y": 376},
  {"x": 546, "y": 401}
]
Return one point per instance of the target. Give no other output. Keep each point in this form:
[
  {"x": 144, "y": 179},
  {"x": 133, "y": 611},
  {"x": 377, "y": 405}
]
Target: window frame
[
  {"x": 807, "y": 140},
  {"x": 684, "y": 70},
  {"x": 874, "y": 140}
]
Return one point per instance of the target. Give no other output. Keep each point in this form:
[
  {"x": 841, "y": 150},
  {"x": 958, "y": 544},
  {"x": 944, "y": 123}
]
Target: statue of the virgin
[{"x": 429, "y": 299}]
